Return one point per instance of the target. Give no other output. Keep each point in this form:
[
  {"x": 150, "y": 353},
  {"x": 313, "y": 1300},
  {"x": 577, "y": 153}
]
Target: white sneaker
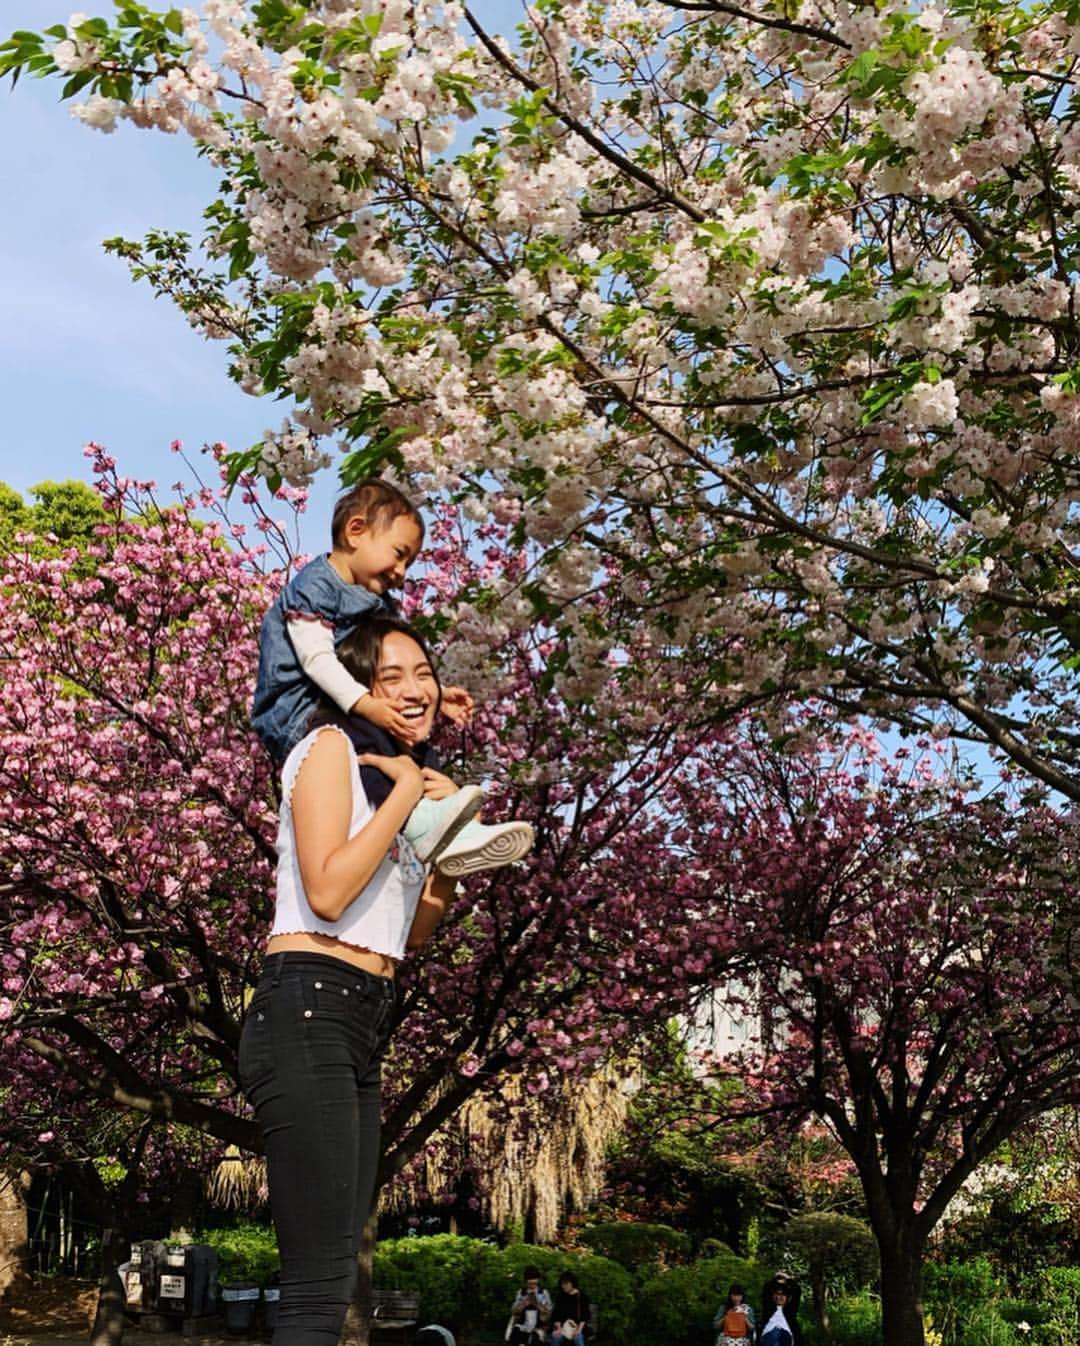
[
  {"x": 485, "y": 846},
  {"x": 434, "y": 823}
]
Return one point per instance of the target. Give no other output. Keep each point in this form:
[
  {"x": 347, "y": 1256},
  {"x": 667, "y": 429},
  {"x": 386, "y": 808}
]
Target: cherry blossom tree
[
  {"x": 909, "y": 951},
  {"x": 775, "y": 306},
  {"x": 137, "y": 816}
]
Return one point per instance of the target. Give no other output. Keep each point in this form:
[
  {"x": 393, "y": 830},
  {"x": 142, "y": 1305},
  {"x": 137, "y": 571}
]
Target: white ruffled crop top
[{"x": 380, "y": 917}]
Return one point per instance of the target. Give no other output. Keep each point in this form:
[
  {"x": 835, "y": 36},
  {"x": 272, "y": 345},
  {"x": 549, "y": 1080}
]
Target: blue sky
[{"x": 85, "y": 353}]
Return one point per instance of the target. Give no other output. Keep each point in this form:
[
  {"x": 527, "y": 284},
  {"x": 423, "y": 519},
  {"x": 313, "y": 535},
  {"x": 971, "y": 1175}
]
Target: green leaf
[
  {"x": 78, "y": 81},
  {"x": 237, "y": 464}
]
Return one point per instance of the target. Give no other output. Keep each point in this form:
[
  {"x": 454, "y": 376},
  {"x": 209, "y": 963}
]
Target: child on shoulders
[{"x": 376, "y": 534}]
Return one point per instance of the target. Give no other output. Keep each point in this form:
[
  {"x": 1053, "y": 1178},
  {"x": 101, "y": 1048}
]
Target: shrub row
[{"x": 469, "y": 1285}]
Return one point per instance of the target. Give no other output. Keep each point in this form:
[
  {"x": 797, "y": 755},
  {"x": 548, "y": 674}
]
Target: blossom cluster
[{"x": 805, "y": 291}]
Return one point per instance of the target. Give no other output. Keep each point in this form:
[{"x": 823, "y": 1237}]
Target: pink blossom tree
[
  {"x": 776, "y": 308},
  {"x": 908, "y": 951},
  {"x": 137, "y": 815}
]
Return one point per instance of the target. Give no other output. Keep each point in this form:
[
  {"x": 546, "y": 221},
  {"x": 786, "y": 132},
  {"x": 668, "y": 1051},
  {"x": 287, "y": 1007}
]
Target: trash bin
[
  {"x": 187, "y": 1283},
  {"x": 271, "y": 1297},
  {"x": 240, "y": 1299},
  {"x": 173, "y": 1282},
  {"x": 203, "y": 1269},
  {"x": 141, "y": 1276}
]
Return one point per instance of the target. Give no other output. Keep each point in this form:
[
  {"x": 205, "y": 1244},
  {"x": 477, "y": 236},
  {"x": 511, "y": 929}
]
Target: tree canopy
[{"x": 770, "y": 314}]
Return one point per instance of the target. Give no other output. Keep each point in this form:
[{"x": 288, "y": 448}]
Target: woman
[
  {"x": 351, "y": 897},
  {"x": 530, "y": 1311},
  {"x": 570, "y": 1312},
  {"x": 734, "y": 1323}
]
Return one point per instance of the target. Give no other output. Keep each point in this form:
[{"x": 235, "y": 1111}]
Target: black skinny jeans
[{"x": 310, "y": 1058}]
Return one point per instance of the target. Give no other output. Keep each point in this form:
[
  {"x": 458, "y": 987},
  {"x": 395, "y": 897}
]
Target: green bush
[
  {"x": 469, "y": 1285},
  {"x": 1024, "y": 1311},
  {"x": 836, "y": 1251},
  {"x": 676, "y": 1307},
  {"x": 955, "y": 1286},
  {"x": 445, "y": 1268},
  {"x": 1059, "y": 1293},
  {"x": 716, "y": 1248},
  {"x": 855, "y": 1320},
  {"x": 247, "y": 1252},
  {"x": 608, "y": 1285},
  {"x": 635, "y": 1246}
]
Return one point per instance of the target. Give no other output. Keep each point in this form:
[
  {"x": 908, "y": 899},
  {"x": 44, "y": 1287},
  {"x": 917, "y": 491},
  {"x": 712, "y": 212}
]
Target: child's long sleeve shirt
[{"x": 297, "y": 658}]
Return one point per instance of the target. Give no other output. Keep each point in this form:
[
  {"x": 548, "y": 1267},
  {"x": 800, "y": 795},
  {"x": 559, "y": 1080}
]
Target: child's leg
[
  {"x": 368, "y": 737},
  {"x": 433, "y": 823},
  {"x": 479, "y": 846}
]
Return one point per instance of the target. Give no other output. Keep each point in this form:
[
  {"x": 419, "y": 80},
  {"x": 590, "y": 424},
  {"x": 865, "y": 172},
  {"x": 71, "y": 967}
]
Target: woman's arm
[
  {"x": 334, "y": 867},
  {"x": 434, "y": 900}
]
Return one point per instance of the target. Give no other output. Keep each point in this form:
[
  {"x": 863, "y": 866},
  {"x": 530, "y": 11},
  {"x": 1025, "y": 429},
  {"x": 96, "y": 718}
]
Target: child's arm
[
  {"x": 457, "y": 705},
  {"x": 313, "y": 642}
]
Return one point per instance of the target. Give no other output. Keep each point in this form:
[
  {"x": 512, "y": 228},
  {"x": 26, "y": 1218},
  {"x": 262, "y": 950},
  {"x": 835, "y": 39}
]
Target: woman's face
[
  {"x": 405, "y": 678},
  {"x": 736, "y": 1296}
]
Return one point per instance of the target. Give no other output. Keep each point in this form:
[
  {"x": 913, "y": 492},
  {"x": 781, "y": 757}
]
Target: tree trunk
[
  {"x": 357, "y": 1328},
  {"x": 821, "y": 1307},
  {"x": 14, "y": 1228},
  {"x": 901, "y": 1293},
  {"x": 108, "y": 1325}
]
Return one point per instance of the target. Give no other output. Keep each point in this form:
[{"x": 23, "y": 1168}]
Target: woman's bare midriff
[{"x": 307, "y": 942}]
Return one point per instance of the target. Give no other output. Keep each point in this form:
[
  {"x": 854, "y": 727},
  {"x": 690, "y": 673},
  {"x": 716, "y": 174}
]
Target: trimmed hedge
[
  {"x": 635, "y": 1245},
  {"x": 676, "y": 1307},
  {"x": 470, "y": 1285}
]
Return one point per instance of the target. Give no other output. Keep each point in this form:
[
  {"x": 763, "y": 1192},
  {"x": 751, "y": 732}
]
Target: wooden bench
[{"x": 395, "y": 1311}]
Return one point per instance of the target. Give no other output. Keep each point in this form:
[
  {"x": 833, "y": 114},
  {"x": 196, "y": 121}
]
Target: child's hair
[
  {"x": 378, "y": 504},
  {"x": 734, "y": 1289},
  {"x": 569, "y": 1276}
]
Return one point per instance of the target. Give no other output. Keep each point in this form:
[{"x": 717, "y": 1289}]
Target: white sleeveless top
[{"x": 380, "y": 917}]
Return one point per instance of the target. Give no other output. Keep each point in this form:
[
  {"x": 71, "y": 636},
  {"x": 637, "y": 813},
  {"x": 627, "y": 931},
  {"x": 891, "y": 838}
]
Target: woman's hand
[
  {"x": 402, "y": 770},
  {"x": 436, "y": 785}
]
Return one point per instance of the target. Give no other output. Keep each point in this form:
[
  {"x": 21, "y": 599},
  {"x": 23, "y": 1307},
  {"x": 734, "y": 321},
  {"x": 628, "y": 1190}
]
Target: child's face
[{"x": 378, "y": 554}]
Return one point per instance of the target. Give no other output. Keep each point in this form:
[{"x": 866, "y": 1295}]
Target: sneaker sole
[
  {"x": 471, "y": 800},
  {"x": 512, "y": 844}
]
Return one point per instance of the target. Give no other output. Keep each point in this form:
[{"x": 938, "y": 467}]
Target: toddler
[{"x": 376, "y": 534}]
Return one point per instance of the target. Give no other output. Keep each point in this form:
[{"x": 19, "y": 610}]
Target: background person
[
  {"x": 530, "y": 1312},
  {"x": 571, "y": 1311},
  {"x": 734, "y": 1321}
]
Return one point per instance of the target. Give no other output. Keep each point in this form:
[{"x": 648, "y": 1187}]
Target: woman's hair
[
  {"x": 531, "y": 1273},
  {"x": 734, "y": 1289},
  {"x": 569, "y": 1276},
  {"x": 359, "y": 653}
]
